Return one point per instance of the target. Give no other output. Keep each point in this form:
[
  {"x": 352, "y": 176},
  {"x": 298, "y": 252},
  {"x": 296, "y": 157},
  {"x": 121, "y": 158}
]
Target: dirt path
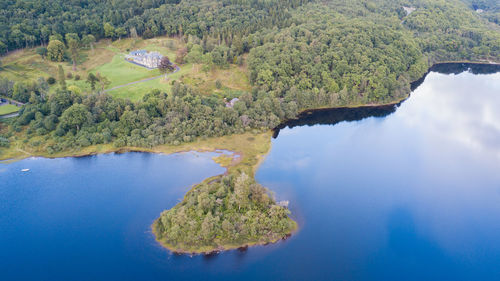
[{"x": 177, "y": 68}]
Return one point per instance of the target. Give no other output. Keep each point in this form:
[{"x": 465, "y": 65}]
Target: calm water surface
[{"x": 411, "y": 194}]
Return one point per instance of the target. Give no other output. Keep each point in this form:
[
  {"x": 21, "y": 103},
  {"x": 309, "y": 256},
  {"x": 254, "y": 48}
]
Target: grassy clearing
[
  {"x": 108, "y": 58},
  {"x": 137, "y": 91},
  {"x": 24, "y": 65},
  {"x": 120, "y": 72},
  {"x": 234, "y": 78},
  {"x": 8, "y": 108}
]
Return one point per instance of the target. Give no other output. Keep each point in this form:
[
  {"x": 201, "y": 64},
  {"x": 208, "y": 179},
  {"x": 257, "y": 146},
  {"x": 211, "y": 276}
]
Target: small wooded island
[
  {"x": 271, "y": 59},
  {"x": 227, "y": 212}
]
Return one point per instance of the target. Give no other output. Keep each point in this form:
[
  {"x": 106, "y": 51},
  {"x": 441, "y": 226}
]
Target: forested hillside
[
  {"x": 30, "y": 23},
  {"x": 300, "y": 55},
  {"x": 489, "y": 9}
]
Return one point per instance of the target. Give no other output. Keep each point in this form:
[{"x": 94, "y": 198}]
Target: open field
[
  {"x": 137, "y": 91},
  {"x": 108, "y": 59},
  {"x": 120, "y": 72},
  {"x": 8, "y": 108}
]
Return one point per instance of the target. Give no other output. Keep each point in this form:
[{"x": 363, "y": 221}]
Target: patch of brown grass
[{"x": 233, "y": 78}]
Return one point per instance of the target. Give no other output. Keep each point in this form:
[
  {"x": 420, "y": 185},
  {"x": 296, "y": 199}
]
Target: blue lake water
[{"x": 412, "y": 194}]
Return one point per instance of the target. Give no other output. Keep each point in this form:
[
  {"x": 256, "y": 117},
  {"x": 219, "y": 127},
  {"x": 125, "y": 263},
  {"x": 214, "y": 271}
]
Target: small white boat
[{"x": 25, "y": 170}]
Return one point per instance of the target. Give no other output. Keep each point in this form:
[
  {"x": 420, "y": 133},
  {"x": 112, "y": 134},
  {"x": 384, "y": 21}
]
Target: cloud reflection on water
[{"x": 434, "y": 161}]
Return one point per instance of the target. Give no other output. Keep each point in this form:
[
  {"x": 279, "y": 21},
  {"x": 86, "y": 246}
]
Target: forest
[{"x": 489, "y": 9}]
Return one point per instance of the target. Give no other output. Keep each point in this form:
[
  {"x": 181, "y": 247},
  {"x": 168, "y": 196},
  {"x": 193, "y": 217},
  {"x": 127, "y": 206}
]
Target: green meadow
[
  {"x": 8, "y": 108},
  {"x": 137, "y": 91},
  {"x": 120, "y": 72},
  {"x": 108, "y": 59}
]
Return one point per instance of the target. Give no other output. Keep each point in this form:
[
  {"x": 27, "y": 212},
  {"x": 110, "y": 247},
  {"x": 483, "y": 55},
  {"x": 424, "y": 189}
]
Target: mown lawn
[
  {"x": 137, "y": 91},
  {"x": 233, "y": 79},
  {"x": 120, "y": 72},
  {"x": 8, "y": 108}
]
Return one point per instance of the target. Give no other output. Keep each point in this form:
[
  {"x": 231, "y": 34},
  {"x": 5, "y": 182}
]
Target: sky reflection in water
[{"x": 413, "y": 195}]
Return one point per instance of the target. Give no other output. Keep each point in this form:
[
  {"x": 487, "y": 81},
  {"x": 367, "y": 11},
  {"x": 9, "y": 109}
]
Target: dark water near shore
[{"x": 411, "y": 194}]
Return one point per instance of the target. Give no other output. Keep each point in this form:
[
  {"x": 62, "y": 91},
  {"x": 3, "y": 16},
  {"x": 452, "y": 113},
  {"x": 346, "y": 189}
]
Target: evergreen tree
[{"x": 61, "y": 77}]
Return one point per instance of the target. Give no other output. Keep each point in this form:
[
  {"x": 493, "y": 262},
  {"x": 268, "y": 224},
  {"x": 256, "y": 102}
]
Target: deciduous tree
[
  {"x": 55, "y": 50},
  {"x": 166, "y": 65},
  {"x": 73, "y": 42},
  {"x": 75, "y": 117},
  {"x": 109, "y": 30}
]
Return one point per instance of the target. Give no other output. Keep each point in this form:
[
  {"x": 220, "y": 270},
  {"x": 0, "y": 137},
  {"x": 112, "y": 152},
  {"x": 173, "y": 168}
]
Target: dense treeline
[
  {"x": 361, "y": 52},
  {"x": 448, "y": 31},
  {"x": 233, "y": 210},
  {"x": 490, "y": 9},
  {"x": 343, "y": 58},
  {"x": 30, "y": 23}
]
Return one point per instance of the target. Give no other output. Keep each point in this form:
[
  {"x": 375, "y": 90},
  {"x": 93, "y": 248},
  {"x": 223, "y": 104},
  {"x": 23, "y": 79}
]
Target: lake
[{"x": 408, "y": 192}]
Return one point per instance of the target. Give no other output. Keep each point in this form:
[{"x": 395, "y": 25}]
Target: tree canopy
[{"x": 234, "y": 210}]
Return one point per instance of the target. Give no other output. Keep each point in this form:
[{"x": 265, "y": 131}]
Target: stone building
[{"x": 144, "y": 58}]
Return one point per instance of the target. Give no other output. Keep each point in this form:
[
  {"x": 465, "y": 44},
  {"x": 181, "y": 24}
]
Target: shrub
[
  {"x": 51, "y": 80},
  {"x": 74, "y": 89},
  {"x": 69, "y": 75},
  {"x": 77, "y": 77},
  {"x": 42, "y": 51},
  {"x": 4, "y": 142},
  {"x": 218, "y": 84}
]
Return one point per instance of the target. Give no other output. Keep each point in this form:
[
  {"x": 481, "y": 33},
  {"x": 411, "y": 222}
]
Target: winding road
[{"x": 177, "y": 68}]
